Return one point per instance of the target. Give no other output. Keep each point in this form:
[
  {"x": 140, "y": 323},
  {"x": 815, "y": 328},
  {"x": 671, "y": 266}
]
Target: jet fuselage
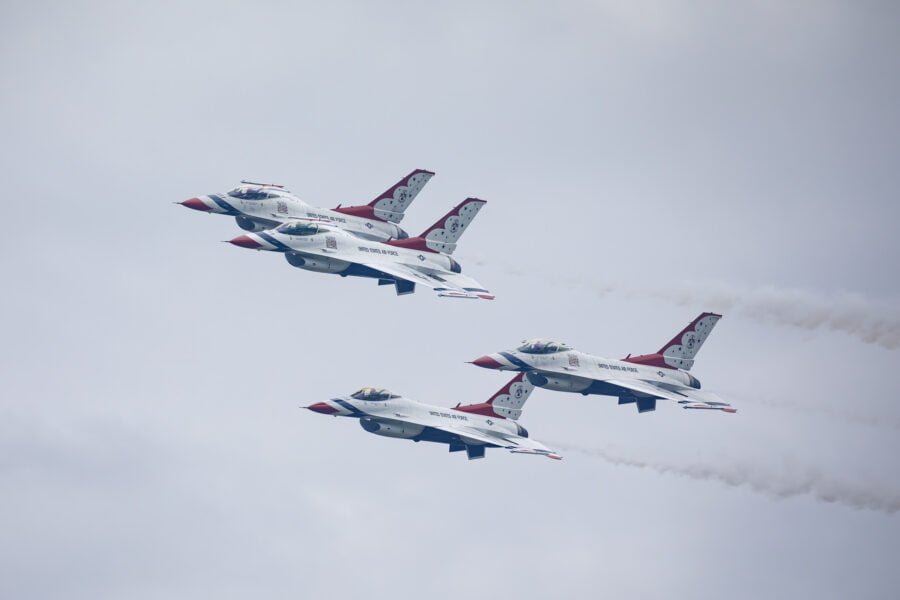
[
  {"x": 404, "y": 418},
  {"x": 582, "y": 371},
  {"x": 463, "y": 428},
  {"x": 335, "y": 251},
  {"x": 265, "y": 208}
]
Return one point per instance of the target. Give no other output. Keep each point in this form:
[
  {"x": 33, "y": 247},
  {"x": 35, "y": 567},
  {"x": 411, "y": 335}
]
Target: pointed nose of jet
[
  {"x": 487, "y": 362},
  {"x": 321, "y": 407},
  {"x": 196, "y": 204},
  {"x": 245, "y": 241}
]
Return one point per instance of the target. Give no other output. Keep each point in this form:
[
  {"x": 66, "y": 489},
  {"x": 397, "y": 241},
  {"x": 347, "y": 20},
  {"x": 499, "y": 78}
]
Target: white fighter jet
[
  {"x": 472, "y": 427},
  {"x": 261, "y": 206},
  {"x": 639, "y": 380},
  {"x": 321, "y": 247}
]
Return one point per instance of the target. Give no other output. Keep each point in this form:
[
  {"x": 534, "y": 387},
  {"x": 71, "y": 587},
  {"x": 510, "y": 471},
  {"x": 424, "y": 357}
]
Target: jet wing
[
  {"x": 514, "y": 443},
  {"x": 647, "y": 389},
  {"x": 687, "y": 397},
  {"x": 446, "y": 284},
  {"x": 475, "y": 436}
]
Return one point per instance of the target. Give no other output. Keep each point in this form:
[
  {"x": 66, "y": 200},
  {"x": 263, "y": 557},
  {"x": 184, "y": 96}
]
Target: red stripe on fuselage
[
  {"x": 413, "y": 243},
  {"x": 479, "y": 409},
  {"x": 366, "y": 212},
  {"x": 649, "y": 360}
]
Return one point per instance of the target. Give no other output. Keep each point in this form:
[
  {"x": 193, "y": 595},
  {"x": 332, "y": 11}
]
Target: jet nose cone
[
  {"x": 487, "y": 362},
  {"x": 321, "y": 407},
  {"x": 245, "y": 241},
  {"x": 196, "y": 204}
]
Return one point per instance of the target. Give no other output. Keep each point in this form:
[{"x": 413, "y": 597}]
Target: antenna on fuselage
[{"x": 277, "y": 185}]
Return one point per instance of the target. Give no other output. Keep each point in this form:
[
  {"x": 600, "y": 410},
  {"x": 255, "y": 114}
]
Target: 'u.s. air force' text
[
  {"x": 435, "y": 413},
  {"x": 377, "y": 251}
]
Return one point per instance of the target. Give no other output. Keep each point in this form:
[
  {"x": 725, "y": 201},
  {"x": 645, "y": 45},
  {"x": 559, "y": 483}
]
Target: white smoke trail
[
  {"x": 851, "y": 313},
  {"x": 796, "y": 481},
  {"x": 870, "y": 321},
  {"x": 849, "y": 413}
]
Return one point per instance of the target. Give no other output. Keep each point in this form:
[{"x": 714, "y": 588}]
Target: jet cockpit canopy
[
  {"x": 373, "y": 394},
  {"x": 542, "y": 347},
  {"x": 299, "y": 228},
  {"x": 252, "y": 192}
]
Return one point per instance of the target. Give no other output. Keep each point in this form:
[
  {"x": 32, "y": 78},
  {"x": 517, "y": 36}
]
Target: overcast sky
[{"x": 642, "y": 162}]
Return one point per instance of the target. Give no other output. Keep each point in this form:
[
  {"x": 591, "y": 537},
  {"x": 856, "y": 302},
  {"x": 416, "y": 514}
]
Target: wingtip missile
[{"x": 702, "y": 406}]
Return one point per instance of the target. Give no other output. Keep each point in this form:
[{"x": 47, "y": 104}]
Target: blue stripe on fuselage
[
  {"x": 224, "y": 205},
  {"x": 281, "y": 247},
  {"x": 523, "y": 366},
  {"x": 354, "y": 412}
]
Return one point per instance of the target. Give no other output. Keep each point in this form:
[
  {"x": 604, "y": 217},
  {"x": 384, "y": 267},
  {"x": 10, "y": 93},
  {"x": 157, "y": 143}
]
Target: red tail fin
[
  {"x": 507, "y": 403},
  {"x": 443, "y": 235},
  {"x": 391, "y": 205},
  {"x": 679, "y": 353}
]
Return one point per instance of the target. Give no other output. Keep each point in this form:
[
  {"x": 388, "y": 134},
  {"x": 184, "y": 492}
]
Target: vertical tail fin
[
  {"x": 680, "y": 351},
  {"x": 391, "y": 205},
  {"x": 507, "y": 403},
  {"x": 443, "y": 235}
]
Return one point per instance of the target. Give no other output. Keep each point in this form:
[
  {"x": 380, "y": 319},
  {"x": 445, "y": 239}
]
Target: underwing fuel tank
[
  {"x": 394, "y": 430},
  {"x": 319, "y": 264},
  {"x": 559, "y": 383}
]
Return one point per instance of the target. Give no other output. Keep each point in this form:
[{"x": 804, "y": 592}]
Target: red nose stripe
[
  {"x": 321, "y": 407},
  {"x": 245, "y": 241},
  {"x": 487, "y": 362},
  {"x": 196, "y": 204}
]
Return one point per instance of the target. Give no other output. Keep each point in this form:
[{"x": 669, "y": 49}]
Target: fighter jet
[
  {"x": 321, "y": 247},
  {"x": 639, "y": 380},
  {"x": 470, "y": 427},
  {"x": 261, "y": 206}
]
